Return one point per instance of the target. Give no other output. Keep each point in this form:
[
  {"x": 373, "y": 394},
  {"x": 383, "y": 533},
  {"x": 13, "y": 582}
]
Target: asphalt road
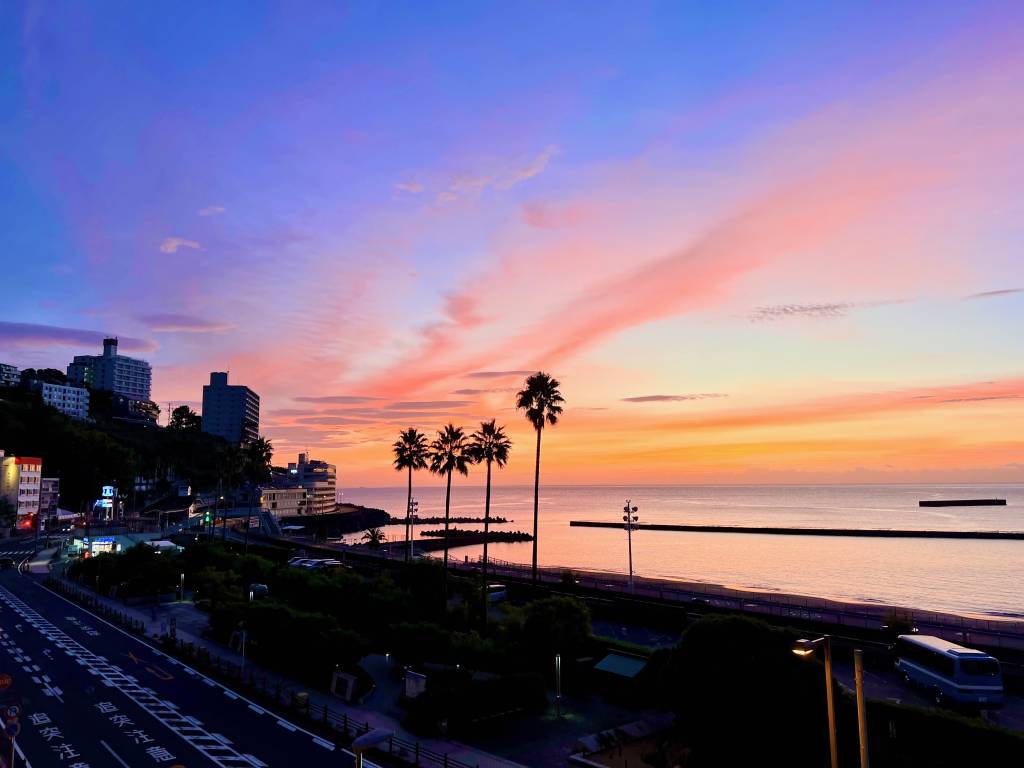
[
  {"x": 86, "y": 694},
  {"x": 888, "y": 685}
]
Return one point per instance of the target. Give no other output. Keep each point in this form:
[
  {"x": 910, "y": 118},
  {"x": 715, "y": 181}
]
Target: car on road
[{"x": 6, "y": 562}]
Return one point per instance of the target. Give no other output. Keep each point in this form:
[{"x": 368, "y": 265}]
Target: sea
[{"x": 965, "y": 576}]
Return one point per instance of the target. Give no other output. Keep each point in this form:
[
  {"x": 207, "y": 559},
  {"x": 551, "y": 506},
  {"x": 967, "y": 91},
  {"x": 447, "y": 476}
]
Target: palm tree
[
  {"x": 411, "y": 454},
  {"x": 448, "y": 453},
  {"x": 258, "y": 455},
  {"x": 542, "y": 402},
  {"x": 374, "y": 537},
  {"x": 489, "y": 445}
]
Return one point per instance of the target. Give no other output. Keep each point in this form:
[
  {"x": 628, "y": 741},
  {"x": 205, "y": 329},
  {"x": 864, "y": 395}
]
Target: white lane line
[
  {"x": 257, "y": 710},
  {"x": 115, "y": 755},
  {"x": 231, "y": 695},
  {"x": 287, "y": 726},
  {"x": 141, "y": 642},
  {"x": 323, "y": 743}
]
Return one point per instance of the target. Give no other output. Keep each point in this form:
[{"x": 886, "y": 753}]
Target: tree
[
  {"x": 410, "y": 454},
  {"x": 184, "y": 419},
  {"x": 448, "y": 454},
  {"x": 257, "y": 456},
  {"x": 542, "y": 402},
  {"x": 374, "y": 537},
  {"x": 556, "y": 625},
  {"x": 488, "y": 445}
]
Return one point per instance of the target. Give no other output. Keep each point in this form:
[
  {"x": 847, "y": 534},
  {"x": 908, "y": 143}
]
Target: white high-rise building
[
  {"x": 113, "y": 372},
  {"x": 71, "y": 401},
  {"x": 9, "y": 375},
  {"x": 318, "y": 478}
]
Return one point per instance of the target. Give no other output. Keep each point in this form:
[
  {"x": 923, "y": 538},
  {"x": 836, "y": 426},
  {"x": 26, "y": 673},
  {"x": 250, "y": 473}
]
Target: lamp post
[
  {"x": 630, "y": 518},
  {"x": 806, "y": 648},
  {"x": 558, "y": 684},
  {"x": 368, "y": 741},
  {"x": 182, "y": 588},
  {"x": 411, "y": 512}
]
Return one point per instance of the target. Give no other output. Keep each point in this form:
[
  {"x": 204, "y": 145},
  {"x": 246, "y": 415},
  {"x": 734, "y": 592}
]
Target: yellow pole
[
  {"x": 862, "y": 715},
  {"x": 831, "y": 704}
]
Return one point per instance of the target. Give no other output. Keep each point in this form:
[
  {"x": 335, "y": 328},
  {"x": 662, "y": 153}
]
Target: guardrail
[{"x": 1000, "y": 634}]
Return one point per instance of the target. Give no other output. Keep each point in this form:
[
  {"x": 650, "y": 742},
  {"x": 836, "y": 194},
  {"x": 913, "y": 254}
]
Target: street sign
[
  {"x": 6, "y": 681},
  {"x": 13, "y": 710}
]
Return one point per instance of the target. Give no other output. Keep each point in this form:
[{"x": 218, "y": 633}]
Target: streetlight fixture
[
  {"x": 182, "y": 587},
  {"x": 369, "y": 740},
  {"x": 630, "y": 519},
  {"x": 806, "y": 648}
]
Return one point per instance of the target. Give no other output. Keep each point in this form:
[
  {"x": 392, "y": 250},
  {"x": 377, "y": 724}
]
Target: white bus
[{"x": 949, "y": 672}]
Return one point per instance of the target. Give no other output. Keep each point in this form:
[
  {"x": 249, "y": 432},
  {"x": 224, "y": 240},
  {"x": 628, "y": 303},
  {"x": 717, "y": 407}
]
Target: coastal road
[
  {"x": 85, "y": 693},
  {"x": 888, "y": 685}
]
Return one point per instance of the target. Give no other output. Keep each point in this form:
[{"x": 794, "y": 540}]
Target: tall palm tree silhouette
[
  {"x": 410, "y": 454},
  {"x": 542, "y": 402},
  {"x": 448, "y": 454},
  {"x": 488, "y": 445}
]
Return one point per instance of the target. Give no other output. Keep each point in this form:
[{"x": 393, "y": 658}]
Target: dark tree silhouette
[
  {"x": 542, "y": 402},
  {"x": 449, "y": 453},
  {"x": 410, "y": 454},
  {"x": 488, "y": 445}
]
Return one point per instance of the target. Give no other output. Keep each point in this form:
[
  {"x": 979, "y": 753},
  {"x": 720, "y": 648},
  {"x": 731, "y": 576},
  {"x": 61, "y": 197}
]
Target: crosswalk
[{"x": 16, "y": 552}]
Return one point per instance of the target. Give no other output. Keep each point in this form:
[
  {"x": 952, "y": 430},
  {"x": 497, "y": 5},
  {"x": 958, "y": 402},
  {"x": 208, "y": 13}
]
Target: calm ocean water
[{"x": 964, "y": 576}]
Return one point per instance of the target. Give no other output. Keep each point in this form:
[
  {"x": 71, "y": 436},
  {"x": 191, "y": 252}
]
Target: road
[
  {"x": 86, "y": 694},
  {"x": 888, "y": 685}
]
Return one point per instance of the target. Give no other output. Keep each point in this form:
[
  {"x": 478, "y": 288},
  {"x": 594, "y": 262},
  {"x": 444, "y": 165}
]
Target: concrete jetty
[{"x": 885, "y": 533}]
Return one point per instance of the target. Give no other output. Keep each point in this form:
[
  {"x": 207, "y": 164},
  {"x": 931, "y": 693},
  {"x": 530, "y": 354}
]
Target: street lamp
[
  {"x": 558, "y": 684},
  {"x": 630, "y": 518},
  {"x": 411, "y": 512},
  {"x": 805, "y": 648},
  {"x": 369, "y": 740},
  {"x": 182, "y": 588}
]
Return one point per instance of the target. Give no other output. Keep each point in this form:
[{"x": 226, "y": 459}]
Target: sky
[{"x": 756, "y": 243}]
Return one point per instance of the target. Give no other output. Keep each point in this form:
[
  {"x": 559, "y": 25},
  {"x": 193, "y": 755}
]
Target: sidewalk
[{"x": 190, "y": 622}]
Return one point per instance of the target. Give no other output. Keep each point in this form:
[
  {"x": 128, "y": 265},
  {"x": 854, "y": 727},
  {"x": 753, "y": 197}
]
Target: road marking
[
  {"x": 115, "y": 755},
  {"x": 184, "y": 666},
  {"x": 218, "y": 753},
  {"x": 287, "y": 726},
  {"x": 323, "y": 743},
  {"x": 231, "y": 695},
  {"x": 257, "y": 710}
]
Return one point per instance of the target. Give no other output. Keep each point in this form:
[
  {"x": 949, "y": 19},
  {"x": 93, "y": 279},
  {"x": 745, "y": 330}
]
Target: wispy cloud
[
  {"x": 474, "y": 184},
  {"x": 789, "y": 311},
  {"x": 172, "y": 244},
  {"x": 535, "y": 167},
  {"x": 994, "y": 294},
  {"x": 170, "y": 323},
  {"x": 33, "y": 334},
  {"x": 498, "y": 374},
  {"x": 672, "y": 398},
  {"x": 409, "y": 187},
  {"x": 335, "y": 399},
  {"x": 472, "y": 392},
  {"x": 211, "y": 210},
  {"x": 425, "y": 405}
]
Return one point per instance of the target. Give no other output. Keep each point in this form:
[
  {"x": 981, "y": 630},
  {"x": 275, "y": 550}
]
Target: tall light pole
[
  {"x": 411, "y": 512},
  {"x": 630, "y": 519},
  {"x": 806, "y": 648}
]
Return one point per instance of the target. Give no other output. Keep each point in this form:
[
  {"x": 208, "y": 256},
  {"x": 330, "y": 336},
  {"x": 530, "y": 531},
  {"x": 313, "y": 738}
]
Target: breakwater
[{"x": 885, "y": 533}]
